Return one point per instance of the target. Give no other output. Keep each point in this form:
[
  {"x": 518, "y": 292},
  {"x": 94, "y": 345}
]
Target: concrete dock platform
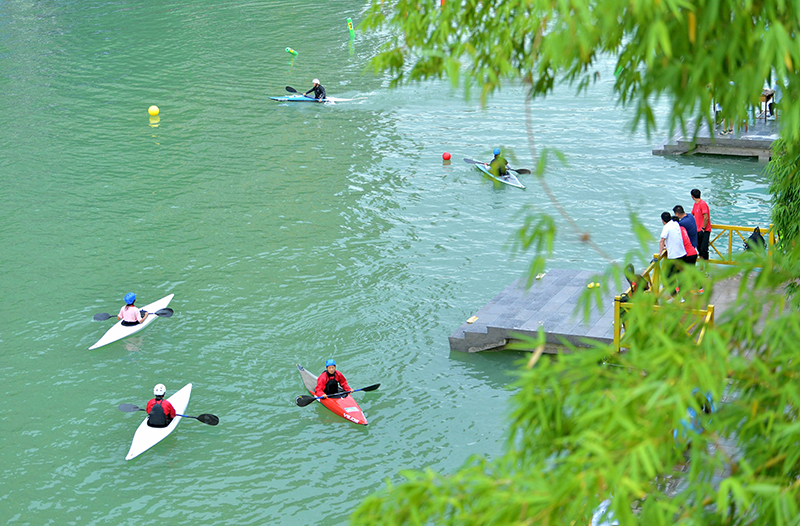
[
  {"x": 550, "y": 303},
  {"x": 756, "y": 141}
]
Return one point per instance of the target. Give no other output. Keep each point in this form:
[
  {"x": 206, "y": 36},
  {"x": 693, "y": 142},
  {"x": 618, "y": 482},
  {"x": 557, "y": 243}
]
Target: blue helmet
[
  {"x": 330, "y": 361},
  {"x": 497, "y": 151},
  {"x": 130, "y": 298}
]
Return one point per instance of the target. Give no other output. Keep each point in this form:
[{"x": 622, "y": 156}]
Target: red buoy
[{"x": 446, "y": 156}]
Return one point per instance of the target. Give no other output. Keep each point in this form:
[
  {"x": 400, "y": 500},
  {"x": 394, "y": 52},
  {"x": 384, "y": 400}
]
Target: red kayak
[{"x": 346, "y": 407}]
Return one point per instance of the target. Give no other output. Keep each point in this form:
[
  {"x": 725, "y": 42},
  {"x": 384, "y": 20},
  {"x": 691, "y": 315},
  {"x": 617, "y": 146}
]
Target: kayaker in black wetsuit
[
  {"x": 319, "y": 91},
  {"x": 499, "y": 165}
]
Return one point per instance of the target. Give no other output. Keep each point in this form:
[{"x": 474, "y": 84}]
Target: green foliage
[
  {"x": 591, "y": 424},
  {"x": 689, "y": 51},
  {"x": 537, "y": 233},
  {"x": 785, "y": 189}
]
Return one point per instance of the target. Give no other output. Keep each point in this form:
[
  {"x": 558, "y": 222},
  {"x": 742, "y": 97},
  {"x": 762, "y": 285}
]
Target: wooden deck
[{"x": 755, "y": 142}]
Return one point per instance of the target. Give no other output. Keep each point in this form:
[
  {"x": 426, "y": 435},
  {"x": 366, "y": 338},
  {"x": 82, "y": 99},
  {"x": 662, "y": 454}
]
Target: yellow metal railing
[
  {"x": 702, "y": 318},
  {"x": 722, "y": 235}
]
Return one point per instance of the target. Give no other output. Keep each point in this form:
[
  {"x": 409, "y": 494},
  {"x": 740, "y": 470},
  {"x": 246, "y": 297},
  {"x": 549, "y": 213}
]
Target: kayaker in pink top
[{"x": 129, "y": 314}]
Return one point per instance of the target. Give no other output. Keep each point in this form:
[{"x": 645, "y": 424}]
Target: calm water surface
[{"x": 288, "y": 235}]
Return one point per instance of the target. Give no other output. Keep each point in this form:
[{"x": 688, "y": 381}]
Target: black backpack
[
  {"x": 756, "y": 240},
  {"x": 157, "y": 416}
]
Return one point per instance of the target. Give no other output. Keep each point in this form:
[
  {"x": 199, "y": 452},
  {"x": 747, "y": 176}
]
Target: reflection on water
[{"x": 132, "y": 343}]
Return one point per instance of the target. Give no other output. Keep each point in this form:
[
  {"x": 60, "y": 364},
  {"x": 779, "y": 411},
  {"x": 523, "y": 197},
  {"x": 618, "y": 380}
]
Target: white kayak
[
  {"x": 119, "y": 331},
  {"x": 147, "y": 437},
  {"x": 509, "y": 179}
]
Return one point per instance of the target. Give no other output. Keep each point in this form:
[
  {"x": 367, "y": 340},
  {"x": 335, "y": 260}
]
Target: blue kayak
[
  {"x": 304, "y": 98},
  {"x": 296, "y": 98}
]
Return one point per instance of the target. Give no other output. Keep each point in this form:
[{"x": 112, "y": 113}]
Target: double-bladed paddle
[
  {"x": 161, "y": 313},
  {"x": 292, "y": 90},
  {"x": 304, "y": 400},
  {"x": 205, "y": 418},
  {"x": 523, "y": 171}
]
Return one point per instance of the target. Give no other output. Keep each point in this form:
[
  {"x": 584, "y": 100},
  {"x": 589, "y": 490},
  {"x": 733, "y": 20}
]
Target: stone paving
[{"x": 549, "y": 303}]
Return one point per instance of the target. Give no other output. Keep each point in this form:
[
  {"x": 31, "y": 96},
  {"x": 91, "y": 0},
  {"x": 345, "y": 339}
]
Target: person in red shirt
[
  {"x": 702, "y": 217},
  {"x": 160, "y": 411},
  {"x": 331, "y": 381}
]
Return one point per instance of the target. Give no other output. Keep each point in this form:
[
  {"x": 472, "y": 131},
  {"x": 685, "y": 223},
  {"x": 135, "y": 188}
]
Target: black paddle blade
[
  {"x": 206, "y": 418},
  {"x": 523, "y": 171},
  {"x": 164, "y": 313},
  {"x": 304, "y": 400},
  {"x": 129, "y": 408},
  {"x": 371, "y": 387},
  {"x": 291, "y": 89},
  {"x": 472, "y": 161},
  {"x": 100, "y": 316}
]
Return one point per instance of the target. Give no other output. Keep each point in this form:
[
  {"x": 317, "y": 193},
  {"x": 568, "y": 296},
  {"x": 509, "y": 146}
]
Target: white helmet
[
  {"x": 159, "y": 390},
  {"x": 315, "y": 81}
]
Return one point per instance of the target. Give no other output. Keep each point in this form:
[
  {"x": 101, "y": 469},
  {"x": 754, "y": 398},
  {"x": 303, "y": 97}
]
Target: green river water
[{"x": 288, "y": 234}]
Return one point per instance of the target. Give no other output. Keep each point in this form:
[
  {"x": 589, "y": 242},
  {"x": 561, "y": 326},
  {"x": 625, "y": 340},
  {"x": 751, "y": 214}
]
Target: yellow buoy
[{"x": 153, "y": 110}]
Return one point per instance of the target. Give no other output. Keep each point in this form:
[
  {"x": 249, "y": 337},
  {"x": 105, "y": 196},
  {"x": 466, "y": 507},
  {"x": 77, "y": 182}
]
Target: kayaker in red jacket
[
  {"x": 160, "y": 411},
  {"x": 330, "y": 380}
]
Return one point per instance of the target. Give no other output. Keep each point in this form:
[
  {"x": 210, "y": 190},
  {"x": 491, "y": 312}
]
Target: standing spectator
[
  {"x": 776, "y": 98},
  {"x": 691, "y": 253},
  {"x": 702, "y": 218},
  {"x": 687, "y": 222},
  {"x": 671, "y": 242}
]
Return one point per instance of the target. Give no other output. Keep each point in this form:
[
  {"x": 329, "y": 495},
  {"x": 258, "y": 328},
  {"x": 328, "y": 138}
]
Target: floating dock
[
  {"x": 549, "y": 303},
  {"x": 756, "y": 141}
]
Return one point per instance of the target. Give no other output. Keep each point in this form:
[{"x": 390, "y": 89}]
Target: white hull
[
  {"x": 119, "y": 331},
  {"x": 147, "y": 437},
  {"x": 509, "y": 179}
]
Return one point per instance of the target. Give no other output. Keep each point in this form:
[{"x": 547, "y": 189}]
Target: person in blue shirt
[
  {"x": 694, "y": 422},
  {"x": 687, "y": 221}
]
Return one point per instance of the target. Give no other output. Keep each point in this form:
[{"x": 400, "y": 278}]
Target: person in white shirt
[{"x": 671, "y": 242}]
